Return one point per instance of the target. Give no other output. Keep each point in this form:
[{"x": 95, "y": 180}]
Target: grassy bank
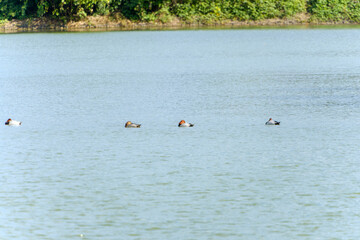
[{"x": 81, "y": 14}]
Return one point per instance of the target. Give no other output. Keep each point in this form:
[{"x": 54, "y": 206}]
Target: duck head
[
  {"x": 8, "y": 121},
  {"x": 127, "y": 123},
  {"x": 181, "y": 122}
]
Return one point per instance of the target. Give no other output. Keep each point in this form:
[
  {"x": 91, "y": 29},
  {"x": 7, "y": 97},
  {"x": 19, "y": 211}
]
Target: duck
[
  {"x": 272, "y": 122},
  {"x": 182, "y": 123},
  {"x": 129, "y": 124},
  {"x": 11, "y": 122}
]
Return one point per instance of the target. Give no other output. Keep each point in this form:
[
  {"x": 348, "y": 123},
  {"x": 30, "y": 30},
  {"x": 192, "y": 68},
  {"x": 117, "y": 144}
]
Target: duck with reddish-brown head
[
  {"x": 272, "y": 122},
  {"x": 129, "y": 124},
  {"x": 11, "y": 122},
  {"x": 182, "y": 123}
]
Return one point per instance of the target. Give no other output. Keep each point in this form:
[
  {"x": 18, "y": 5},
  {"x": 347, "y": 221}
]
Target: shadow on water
[{"x": 187, "y": 28}]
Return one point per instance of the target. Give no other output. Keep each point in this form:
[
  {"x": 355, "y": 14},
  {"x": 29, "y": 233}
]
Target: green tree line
[{"x": 187, "y": 10}]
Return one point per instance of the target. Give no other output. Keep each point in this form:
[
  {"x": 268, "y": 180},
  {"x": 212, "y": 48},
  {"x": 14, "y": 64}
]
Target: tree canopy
[{"x": 187, "y": 10}]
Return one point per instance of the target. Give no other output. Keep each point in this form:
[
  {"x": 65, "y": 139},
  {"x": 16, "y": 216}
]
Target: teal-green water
[{"x": 72, "y": 171}]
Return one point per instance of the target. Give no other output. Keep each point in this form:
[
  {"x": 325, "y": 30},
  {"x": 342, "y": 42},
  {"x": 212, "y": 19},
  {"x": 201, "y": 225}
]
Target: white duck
[
  {"x": 129, "y": 124},
  {"x": 182, "y": 123},
  {"x": 11, "y": 122},
  {"x": 272, "y": 122}
]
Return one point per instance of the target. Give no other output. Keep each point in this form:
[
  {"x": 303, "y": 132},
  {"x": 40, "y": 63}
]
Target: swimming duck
[
  {"x": 129, "y": 124},
  {"x": 272, "y": 122},
  {"x": 182, "y": 123},
  {"x": 11, "y": 122}
]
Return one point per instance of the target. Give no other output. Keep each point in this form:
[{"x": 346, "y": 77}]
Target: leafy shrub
[
  {"x": 187, "y": 10},
  {"x": 335, "y": 10}
]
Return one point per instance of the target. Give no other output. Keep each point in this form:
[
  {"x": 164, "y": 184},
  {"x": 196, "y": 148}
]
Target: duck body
[
  {"x": 272, "y": 122},
  {"x": 11, "y": 122},
  {"x": 129, "y": 124},
  {"x": 182, "y": 123}
]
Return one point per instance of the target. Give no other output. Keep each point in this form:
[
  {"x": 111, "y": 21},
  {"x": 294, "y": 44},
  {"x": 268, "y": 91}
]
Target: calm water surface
[{"x": 72, "y": 171}]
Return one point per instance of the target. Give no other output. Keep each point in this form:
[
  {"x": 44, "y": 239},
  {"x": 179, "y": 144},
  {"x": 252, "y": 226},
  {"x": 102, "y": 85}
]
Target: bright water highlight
[{"x": 72, "y": 168}]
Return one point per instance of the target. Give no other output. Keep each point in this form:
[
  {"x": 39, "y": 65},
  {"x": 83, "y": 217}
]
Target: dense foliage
[
  {"x": 187, "y": 10},
  {"x": 335, "y": 10}
]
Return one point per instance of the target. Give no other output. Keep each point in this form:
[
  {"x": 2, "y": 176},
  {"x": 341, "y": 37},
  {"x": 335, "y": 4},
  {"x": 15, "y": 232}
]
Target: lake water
[{"x": 72, "y": 171}]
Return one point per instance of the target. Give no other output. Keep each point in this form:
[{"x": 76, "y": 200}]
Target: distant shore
[{"x": 106, "y": 23}]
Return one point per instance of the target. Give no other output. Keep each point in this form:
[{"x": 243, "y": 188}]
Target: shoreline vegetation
[{"x": 80, "y": 15}]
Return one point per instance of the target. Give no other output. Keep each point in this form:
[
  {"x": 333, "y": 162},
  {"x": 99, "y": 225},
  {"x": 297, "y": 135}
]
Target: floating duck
[
  {"x": 11, "y": 122},
  {"x": 182, "y": 123},
  {"x": 272, "y": 122},
  {"x": 129, "y": 124}
]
